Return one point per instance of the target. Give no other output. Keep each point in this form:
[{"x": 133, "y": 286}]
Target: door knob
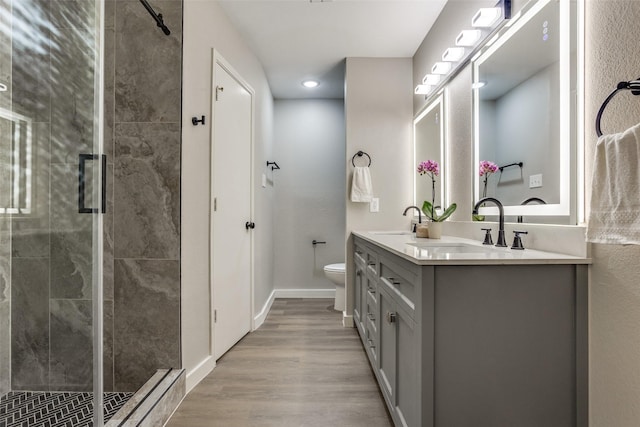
[{"x": 250, "y": 225}]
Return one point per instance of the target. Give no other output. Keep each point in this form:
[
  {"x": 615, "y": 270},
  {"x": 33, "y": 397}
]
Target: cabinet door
[
  {"x": 407, "y": 372},
  {"x": 387, "y": 345}
]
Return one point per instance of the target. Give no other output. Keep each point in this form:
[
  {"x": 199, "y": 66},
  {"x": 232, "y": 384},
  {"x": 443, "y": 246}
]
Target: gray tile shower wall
[
  {"x": 143, "y": 116},
  {"x": 50, "y": 290}
]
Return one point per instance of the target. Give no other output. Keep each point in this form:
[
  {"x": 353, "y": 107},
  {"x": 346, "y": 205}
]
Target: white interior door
[{"x": 231, "y": 238}]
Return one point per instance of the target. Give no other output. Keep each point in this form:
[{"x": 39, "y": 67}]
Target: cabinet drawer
[
  {"x": 400, "y": 282},
  {"x": 373, "y": 266}
]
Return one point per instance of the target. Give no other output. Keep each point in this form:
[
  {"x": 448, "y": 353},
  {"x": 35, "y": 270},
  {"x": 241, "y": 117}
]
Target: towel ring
[
  {"x": 360, "y": 154},
  {"x": 633, "y": 86}
]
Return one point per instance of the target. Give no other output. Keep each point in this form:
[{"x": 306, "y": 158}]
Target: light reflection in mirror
[{"x": 429, "y": 144}]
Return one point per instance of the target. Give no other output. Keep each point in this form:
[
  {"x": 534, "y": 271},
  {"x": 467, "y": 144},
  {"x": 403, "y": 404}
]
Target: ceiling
[{"x": 298, "y": 39}]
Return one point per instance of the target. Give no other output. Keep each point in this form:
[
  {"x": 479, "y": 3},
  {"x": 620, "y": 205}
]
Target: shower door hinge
[
  {"x": 215, "y": 316},
  {"x": 215, "y": 204}
]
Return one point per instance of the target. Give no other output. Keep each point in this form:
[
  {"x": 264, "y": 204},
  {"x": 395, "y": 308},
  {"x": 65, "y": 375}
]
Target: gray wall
[
  {"x": 379, "y": 121},
  {"x": 210, "y": 28},
  {"x": 612, "y": 50},
  {"x": 309, "y": 146},
  {"x": 142, "y": 225}
]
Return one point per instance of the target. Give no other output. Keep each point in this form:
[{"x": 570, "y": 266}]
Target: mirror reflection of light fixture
[
  {"x": 441, "y": 68},
  {"x": 422, "y": 89},
  {"x": 468, "y": 38},
  {"x": 431, "y": 79},
  {"x": 453, "y": 54},
  {"x": 478, "y": 85},
  {"x": 310, "y": 83}
]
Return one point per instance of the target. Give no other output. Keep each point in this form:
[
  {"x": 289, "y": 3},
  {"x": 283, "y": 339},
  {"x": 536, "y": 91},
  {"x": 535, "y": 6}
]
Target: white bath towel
[
  {"x": 615, "y": 196},
  {"x": 361, "y": 188}
]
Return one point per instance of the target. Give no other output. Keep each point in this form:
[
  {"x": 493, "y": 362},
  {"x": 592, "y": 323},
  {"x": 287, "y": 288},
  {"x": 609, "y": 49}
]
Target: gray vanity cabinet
[{"x": 474, "y": 345}]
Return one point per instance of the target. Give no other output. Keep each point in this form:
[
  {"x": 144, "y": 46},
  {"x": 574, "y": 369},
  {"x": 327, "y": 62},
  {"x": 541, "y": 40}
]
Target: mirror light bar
[
  {"x": 441, "y": 68},
  {"x": 422, "y": 89},
  {"x": 431, "y": 79},
  {"x": 486, "y": 17},
  {"x": 468, "y": 37},
  {"x": 453, "y": 54}
]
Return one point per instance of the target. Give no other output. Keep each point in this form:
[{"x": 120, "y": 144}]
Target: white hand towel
[
  {"x": 361, "y": 188},
  {"x": 615, "y": 196}
]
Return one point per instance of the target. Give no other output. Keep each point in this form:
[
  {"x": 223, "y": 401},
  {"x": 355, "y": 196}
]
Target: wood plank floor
[{"x": 300, "y": 368}]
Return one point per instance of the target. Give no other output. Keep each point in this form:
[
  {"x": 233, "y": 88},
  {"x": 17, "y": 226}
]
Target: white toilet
[{"x": 336, "y": 273}]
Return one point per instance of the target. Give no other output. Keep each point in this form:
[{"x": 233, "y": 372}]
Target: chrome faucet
[
  {"x": 419, "y": 215},
  {"x": 501, "y": 240}
]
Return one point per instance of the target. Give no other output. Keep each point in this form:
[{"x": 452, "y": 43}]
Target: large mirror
[
  {"x": 524, "y": 83},
  {"x": 429, "y": 144}
]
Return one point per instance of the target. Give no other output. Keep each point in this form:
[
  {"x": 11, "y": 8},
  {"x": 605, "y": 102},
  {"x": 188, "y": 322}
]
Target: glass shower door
[{"x": 51, "y": 199}]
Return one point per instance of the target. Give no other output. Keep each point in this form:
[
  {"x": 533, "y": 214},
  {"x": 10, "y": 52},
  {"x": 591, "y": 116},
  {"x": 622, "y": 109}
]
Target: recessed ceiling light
[
  {"x": 422, "y": 89},
  {"x": 3, "y": 87},
  {"x": 441, "y": 68},
  {"x": 310, "y": 83},
  {"x": 468, "y": 37}
]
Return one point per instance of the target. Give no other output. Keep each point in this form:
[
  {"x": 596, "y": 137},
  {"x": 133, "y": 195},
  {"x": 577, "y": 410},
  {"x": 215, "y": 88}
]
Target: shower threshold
[{"x": 150, "y": 406}]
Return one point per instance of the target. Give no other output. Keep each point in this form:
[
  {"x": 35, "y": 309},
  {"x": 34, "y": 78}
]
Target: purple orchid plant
[
  {"x": 486, "y": 169},
  {"x": 432, "y": 169}
]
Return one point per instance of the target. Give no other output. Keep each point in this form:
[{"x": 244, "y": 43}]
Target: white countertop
[{"x": 459, "y": 251}]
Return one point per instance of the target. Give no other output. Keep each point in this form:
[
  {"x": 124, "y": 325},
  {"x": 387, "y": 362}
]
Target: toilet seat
[{"x": 335, "y": 268}]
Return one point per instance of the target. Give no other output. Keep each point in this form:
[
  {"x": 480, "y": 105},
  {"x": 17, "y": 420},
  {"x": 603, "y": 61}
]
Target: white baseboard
[
  {"x": 305, "y": 293},
  {"x": 198, "y": 373},
  {"x": 259, "y": 318},
  {"x": 347, "y": 320}
]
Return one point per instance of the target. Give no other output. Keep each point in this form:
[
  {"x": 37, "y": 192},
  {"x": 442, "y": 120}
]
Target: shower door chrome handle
[{"x": 82, "y": 183}]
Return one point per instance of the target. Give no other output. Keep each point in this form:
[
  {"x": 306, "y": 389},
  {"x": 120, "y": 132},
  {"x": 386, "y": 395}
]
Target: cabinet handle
[
  {"x": 391, "y": 317},
  {"x": 371, "y": 344},
  {"x": 393, "y": 281},
  {"x": 372, "y": 291},
  {"x": 371, "y": 263},
  {"x": 359, "y": 252},
  {"x": 370, "y": 316},
  {"x": 359, "y": 273}
]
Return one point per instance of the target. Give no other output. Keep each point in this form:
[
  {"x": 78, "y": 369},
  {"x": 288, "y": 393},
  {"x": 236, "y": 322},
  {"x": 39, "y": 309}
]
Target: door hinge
[
  {"x": 215, "y": 316},
  {"x": 218, "y": 90},
  {"x": 215, "y": 204}
]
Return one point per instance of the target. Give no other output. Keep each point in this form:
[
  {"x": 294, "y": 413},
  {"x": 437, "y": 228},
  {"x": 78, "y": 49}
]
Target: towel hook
[
  {"x": 360, "y": 154},
  {"x": 633, "y": 86}
]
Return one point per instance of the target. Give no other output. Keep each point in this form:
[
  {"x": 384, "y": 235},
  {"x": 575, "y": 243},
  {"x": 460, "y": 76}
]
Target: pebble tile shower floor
[{"x": 55, "y": 409}]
